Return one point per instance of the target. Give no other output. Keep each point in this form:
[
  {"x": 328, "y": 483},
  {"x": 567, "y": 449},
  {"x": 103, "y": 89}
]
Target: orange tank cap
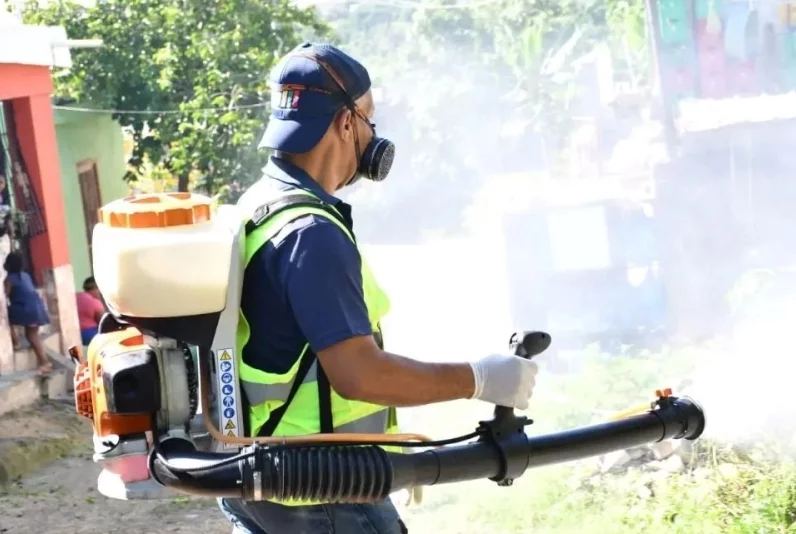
[{"x": 156, "y": 210}]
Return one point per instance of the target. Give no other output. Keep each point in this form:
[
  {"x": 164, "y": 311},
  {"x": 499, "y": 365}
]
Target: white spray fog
[
  {"x": 745, "y": 384},
  {"x": 485, "y": 236}
]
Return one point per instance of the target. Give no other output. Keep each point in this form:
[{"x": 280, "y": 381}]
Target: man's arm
[
  {"x": 392, "y": 380},
  {"x": 321, "y": 276}
]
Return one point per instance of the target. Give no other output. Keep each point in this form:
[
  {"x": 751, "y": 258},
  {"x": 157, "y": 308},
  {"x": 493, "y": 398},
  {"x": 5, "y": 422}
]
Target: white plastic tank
[{"x": 163, "y": 255}]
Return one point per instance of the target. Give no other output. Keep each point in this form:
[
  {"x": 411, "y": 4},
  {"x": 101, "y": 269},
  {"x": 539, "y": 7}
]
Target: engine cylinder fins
[{"x": 193, "y": 380}]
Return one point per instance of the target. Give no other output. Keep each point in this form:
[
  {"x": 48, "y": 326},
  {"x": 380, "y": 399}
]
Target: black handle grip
[
  {"x": 529, "y": 344},
  {"x": 525, "y": 345}
]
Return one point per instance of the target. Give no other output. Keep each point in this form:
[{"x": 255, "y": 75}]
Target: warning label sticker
[{"x": 228, "y": 391}]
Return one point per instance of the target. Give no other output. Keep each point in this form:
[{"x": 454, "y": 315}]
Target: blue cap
[{"x": 305, "y": 97}]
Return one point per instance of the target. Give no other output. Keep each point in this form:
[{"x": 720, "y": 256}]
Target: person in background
[
  {"x": 90, "y": 310},
  {"x": 5, "y": 221},
  {"x": 25, "y": 308}
]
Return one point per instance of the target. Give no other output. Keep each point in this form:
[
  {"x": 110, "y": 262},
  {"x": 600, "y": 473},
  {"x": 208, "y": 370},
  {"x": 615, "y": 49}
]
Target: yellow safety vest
[{"x": 266, "y": 391}]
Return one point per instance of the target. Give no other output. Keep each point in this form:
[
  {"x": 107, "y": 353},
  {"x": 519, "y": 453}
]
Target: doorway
[{"x": 92, "y": 199}]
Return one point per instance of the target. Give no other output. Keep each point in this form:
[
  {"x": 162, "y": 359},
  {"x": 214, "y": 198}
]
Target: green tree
[
  {"x": 202, "y": 63},
  {"x": 458, "y": 74}
]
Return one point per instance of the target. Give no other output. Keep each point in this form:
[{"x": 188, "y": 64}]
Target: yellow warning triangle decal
[
  {"x": 225, "y": 356},
  {"x": 230, "y": 425},
  {"x": 231, "y": 434}
]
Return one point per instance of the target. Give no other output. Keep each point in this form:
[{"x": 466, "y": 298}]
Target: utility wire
[
  {"x": 161, "y": 111},
  {"x": 404, "y": 4}
]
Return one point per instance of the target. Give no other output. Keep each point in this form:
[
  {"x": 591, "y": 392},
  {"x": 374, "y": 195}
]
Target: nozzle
[{"x": 692, "y": 415}]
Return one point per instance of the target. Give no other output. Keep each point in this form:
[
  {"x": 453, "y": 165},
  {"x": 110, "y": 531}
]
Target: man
[
  {"x": 310, "y": 342},
  {"x": 90, "y": 310}
]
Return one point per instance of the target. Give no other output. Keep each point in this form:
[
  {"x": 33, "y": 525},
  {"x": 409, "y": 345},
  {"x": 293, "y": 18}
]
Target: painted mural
[{"x": 714, "y": 49}]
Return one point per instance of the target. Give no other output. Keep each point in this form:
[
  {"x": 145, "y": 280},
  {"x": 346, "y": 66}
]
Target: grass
[
  {"x": 723, "y": 491},
  {"x": 744, "y": 499}
]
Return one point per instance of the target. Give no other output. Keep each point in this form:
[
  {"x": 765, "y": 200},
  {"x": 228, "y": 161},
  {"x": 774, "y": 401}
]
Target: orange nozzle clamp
[{"x": 661, "y": 393}]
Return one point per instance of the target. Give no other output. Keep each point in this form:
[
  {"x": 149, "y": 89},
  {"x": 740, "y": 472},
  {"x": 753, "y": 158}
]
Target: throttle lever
[
  {"x": 525, "y": 345},
  {"x": 506, "y": 431}
]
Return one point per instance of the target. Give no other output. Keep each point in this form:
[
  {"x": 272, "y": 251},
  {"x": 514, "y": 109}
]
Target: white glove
[{"x": 504, "y": 380}]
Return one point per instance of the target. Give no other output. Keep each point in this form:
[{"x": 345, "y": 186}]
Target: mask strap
[{"x": 349, "y": 103}]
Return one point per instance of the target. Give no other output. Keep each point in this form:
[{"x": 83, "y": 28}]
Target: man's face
[{"x": 353, "y": 131}]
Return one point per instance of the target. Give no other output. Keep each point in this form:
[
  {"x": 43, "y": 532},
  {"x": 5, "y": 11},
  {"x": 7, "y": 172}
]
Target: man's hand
[{"x": 504, "y": 380}]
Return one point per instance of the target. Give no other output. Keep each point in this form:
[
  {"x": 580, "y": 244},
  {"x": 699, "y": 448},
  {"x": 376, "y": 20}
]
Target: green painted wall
[{"x": 82, "y": 136}]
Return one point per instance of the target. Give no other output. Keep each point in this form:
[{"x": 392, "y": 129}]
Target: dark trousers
[{"x": 272, "y": 518}]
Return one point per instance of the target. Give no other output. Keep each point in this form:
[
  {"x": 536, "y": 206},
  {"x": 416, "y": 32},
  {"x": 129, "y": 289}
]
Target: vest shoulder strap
[{"x": 270, "y": 209}]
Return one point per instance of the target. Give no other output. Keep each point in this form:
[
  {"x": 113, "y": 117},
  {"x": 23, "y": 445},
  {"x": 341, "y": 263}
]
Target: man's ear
[{"x": 343, "y": 124}]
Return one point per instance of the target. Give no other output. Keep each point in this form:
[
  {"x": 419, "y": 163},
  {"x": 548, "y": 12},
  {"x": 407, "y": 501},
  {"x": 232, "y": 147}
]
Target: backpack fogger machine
[{"x": 160, "y": 383}]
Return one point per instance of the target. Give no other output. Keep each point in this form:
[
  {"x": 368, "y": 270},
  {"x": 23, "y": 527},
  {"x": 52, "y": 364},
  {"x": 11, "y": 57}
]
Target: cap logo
[{"x": 286, "y": 98}]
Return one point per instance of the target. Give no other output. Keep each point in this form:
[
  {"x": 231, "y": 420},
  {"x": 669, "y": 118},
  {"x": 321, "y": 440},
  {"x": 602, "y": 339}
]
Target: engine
[{"x": 164, "y": 364}]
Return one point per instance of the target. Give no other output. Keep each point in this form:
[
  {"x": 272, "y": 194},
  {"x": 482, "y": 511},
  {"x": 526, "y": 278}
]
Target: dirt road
[
  {"x": 61, "y": 496},
  {"x": 62, "y": 499}
]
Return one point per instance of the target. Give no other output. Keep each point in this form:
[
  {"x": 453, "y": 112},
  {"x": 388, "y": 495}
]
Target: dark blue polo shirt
[{"x": 305, "y": 285}]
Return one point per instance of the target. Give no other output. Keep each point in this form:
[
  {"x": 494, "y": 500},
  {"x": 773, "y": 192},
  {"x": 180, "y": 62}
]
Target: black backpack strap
[
  {"x": 276, "y": 416},
  {"x": 264, "y": 212},
  {"x": 325, "y": 402}
]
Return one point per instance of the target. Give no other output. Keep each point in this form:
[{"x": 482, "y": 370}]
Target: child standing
[{"x": 25, "y": 308}]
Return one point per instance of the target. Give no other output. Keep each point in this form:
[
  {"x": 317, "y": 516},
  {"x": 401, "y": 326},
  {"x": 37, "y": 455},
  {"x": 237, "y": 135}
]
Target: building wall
[
  {"x": 27, "y": 56},
  {"x": 83, "y": 136}
]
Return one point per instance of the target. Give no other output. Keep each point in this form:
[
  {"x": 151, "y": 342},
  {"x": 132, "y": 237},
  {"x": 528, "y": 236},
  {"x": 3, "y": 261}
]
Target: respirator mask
[{"x": 375, "y": 162}]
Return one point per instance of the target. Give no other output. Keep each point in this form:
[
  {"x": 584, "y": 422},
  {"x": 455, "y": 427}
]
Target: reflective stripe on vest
[{"x": 258, "y": 393}]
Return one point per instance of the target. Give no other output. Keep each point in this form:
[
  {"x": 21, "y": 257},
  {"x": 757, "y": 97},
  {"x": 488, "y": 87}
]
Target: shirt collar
[{"x": 292, "y": 176}]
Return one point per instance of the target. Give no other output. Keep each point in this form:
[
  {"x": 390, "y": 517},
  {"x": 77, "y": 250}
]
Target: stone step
[
  {"x": 52, "y": 347},
  {"x": 50, "y": 328},
  {"x": 25, "y": 358},
  {"x": 46, "y": 330},
  {"x": 45, "y": 333},
  {"x": 23, "y": 388}
]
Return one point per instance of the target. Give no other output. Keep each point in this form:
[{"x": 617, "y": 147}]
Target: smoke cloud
[{"x": 485, "y": 227}]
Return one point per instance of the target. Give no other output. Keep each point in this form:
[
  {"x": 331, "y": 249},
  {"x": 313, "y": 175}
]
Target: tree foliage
[
  {"x": 485, "y": 86},
  {"x": 202, "y": 64},
  {"x": 457, "y": 77}
]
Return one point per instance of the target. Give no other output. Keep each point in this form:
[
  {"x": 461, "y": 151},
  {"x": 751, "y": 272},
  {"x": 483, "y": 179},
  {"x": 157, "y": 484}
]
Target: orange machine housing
[{"x": 90, "y": 396}]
